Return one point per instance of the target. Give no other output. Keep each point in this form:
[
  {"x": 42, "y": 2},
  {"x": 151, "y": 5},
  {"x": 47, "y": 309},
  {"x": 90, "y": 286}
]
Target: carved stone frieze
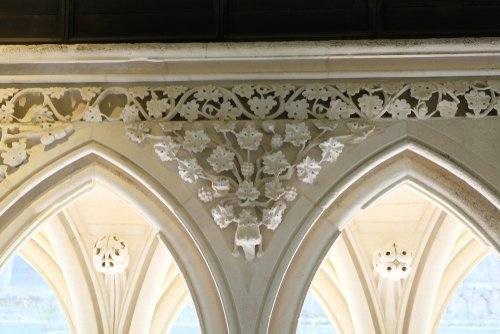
[
  {"x": 333, "y": 101},
  {"x": 110, "y": 255},
  {"x": 246, "y": 169}
]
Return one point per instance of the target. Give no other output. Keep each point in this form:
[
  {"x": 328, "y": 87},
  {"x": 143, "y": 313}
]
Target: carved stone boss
[
  {"x": 110, "y": 257},
  {"x": 264, "y": 137}
]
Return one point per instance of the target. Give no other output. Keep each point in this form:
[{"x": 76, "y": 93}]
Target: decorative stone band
[{"x": 371, "y": 101}]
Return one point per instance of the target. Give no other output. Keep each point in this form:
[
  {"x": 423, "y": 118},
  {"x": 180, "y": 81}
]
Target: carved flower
[
  {"x": 339, "y": 109},
  {"x": 139, "y": 92},
  {"x": 53, "y": 132},
  {"x": 189, "y": 110},
  {"x": 477, "y": 100},
  {"x": 290, "y": 194},
  {"x": 307, "y": 170},
  {"x": 88, "y": 93},
  {"x": 223, "y": 215},
  {"x": 221, "y": 159},
  {"x": 167, "y": 149},
  {"x": 137, "y": 132},
  {"x": 330, "y": 150},
  {"x": 195, "y": 141},
  {"x": 55, "y": 92},
  {"x": 244, "y": 90},
  {"x": 275, "y": 164},
  {"x": 276, "y": 142},
  {"x": 190, "y": 170},
  {"x": 282, "y": 90},
  {"x": 370, "y": 105},
  {"x": 447, "y": 109},
  {"x": 205, "y": 194},
  {"x": 249, "y": 138},
  {"x": 349, "y": 88},
  {"x": 262, "y": 106},
  {"x": 224, "y": 127},
  {"x": 208, "y": 93},
  {"x": 400, "y": 109},
  {"x": 297, "y": 109},
  {"x": 15, "y": 155},
  {"x": 247, "y": 169},
  {"x": 247, "y": 192},
  {"x": 169, "y": 127},
  {"x": 228, "y": 112},
  {"x": 130, "y": 113},
  {"x": 274, "y": 189},
  {"x": 272, "y": 217},
  {"x": 92, "y": 115},
  {"x": 7, "y": 113},
  {"x": 173, "y": 91},
  {"x": 297, "y": 134},
  {"x": 422, "y": 90},
  {"x": 458, "y": 87},
  {"x": 316, "y": 92},
  {"x": 156, "y": 107}
]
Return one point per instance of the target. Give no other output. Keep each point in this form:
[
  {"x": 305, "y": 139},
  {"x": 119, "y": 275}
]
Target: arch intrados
[
  {"x": 65, "y": 180},
  {"x": 442, "y": 183}
]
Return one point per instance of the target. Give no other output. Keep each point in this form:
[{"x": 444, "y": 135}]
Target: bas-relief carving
[
  {"x": 266, "y": 135},
  {"x": 246, "y": 168}
]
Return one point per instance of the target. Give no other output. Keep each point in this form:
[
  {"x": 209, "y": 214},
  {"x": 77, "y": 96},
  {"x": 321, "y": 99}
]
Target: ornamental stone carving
[
  {"x": 263, "y": 139},
  {"x": 110, "y": 255},
  {"x": 393, "y": 262},
  {"x": 246, "y": 170}
]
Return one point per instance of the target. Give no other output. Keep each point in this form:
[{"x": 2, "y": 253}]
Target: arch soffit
[
  {"x": 408, "y": 159},
  {"x": 62, "y": 181}
]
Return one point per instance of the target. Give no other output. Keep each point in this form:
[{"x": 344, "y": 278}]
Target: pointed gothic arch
[
  {"x": 42, "y": 191},
  {"x": 409, "y": 158}
]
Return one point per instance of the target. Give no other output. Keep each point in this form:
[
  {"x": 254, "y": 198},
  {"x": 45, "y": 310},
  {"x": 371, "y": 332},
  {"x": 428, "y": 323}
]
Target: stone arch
[
  {"x": 43, "y": 190},
  {"x": 406, "y": 159}
]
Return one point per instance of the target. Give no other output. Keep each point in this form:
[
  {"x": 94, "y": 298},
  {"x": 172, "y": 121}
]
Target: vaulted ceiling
[{"x": 31, "y": 21}]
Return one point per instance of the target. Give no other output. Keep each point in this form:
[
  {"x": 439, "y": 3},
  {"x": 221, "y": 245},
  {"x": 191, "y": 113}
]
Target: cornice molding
[{"x": 305, "y": 60}]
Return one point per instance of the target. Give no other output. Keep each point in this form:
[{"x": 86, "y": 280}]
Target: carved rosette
[
  {"x": 393, "y": 262},
  {"x": 246, "y": 169},
  {"x": 110, "y": 255}
]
